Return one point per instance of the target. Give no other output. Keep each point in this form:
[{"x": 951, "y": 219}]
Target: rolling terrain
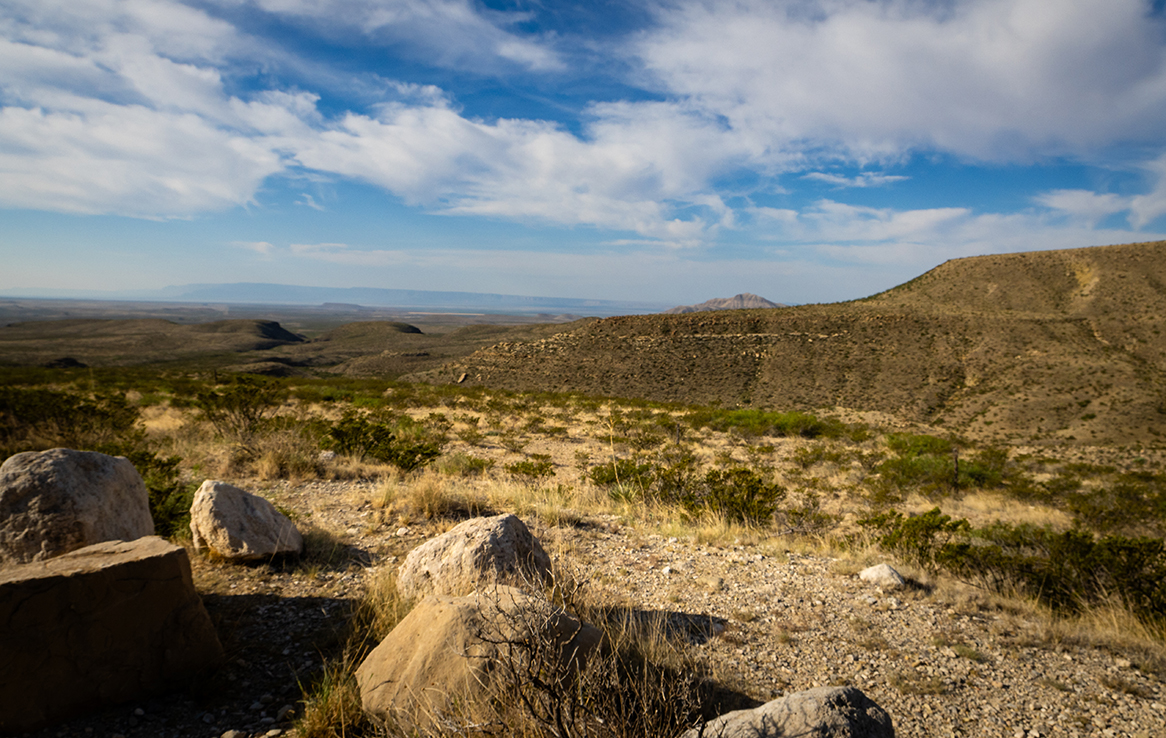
[{"x": 1054, "y": 346}]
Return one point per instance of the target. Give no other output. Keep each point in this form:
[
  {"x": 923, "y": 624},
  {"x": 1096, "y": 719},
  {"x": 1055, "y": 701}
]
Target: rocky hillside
[
  {"x": 743, "y": 301},
  {"x": 1058, "y": 346},
  {"x": 126, "y": 342}
]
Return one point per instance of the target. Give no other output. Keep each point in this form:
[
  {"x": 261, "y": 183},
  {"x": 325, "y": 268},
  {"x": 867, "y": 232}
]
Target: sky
[{"x": 662, "y": 151}]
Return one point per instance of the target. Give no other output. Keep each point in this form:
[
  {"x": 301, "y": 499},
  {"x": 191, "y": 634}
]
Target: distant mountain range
[
  {"x": 348, "y": 297},
  {"x": 743, "y": 301}
]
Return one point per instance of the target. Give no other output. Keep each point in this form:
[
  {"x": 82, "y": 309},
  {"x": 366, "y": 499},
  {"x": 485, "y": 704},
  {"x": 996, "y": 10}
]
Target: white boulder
[
  {"x": 60, "y": 500},
  {"x": 883, "y": 576},
  {"x": 237, "y": 525},
  {"x": 479, "y": 551},
  {"x": 823, "y": 712}
]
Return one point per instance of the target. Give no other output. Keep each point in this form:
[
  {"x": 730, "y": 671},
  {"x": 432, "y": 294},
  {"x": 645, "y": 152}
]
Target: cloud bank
[{"x": 163, "y": 109}]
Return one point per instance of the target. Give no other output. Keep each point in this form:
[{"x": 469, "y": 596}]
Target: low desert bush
[
  {"x": 34, "y": 419},
  {"x": 538, "y": 466},
  {"x": 240, "y": 408},
  {"x": 1066, "y": 570},
  {"x": 753, "y": 423},
  {"x": 400, "y": 441}
]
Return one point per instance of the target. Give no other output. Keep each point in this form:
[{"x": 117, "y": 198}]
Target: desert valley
[{"x": 706, "y": 488}]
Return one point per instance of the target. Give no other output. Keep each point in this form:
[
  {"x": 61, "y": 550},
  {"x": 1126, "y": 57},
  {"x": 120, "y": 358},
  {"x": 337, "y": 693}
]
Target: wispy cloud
[
  {"x": 863, "y": 179},
  {"x": 259, "y": 247}
]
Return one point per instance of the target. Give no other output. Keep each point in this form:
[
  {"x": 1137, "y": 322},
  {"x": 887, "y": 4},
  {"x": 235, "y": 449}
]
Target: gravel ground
[{"x": 940, "y": 664}]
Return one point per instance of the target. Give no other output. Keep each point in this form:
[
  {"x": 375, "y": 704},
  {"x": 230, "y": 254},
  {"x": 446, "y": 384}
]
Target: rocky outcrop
[
  {"x": 824, "y": 712},
  {"x": 60, "y": 500},
  {"x": 101, "y": 625},
  {"x": 743, "y": 301},
  {"x": 443, "y": 660},
  {"x": 237, "y": 525},
  {"x": 478, "y": 551}
]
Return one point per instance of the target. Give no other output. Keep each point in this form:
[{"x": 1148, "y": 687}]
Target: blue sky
[{"x": 806, "y": 151}]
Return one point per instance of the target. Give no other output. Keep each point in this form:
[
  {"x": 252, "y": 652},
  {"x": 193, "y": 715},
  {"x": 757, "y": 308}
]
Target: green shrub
[
  {"x": 239, "y": 408},
  {"x": 538, "y": 466},
  {"x": 739, "y": 494},
  {"x": 34, "y": 419},
  {"x": 765, "y": 423},
  {"x": 407, "y": 444},
  {"x": 676, "y": 477},
  {"x": 463, "y": 465},
  {"x": 170, "y": 497},
  {"x": 929, "y": 463},
  {"x": 625, "y": 474},
  {"x": 1065, "y": 570}
]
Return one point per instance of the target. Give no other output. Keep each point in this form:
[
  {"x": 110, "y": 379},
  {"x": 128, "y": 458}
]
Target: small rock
[
  {"x": 284, "y": 713},
  {"x": 402, "y": 532},
  {"x": 234, "y": 734},
  {"x": 256, "y": 705},
  {"x": 883, "y": 576}
]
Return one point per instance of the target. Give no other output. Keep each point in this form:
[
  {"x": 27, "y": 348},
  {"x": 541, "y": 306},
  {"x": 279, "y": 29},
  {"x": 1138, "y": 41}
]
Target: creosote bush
[
  {"x": 1066, "y": 570},
  {"x": 400, "y": 441},
  {"x": 239, "y": 408}
]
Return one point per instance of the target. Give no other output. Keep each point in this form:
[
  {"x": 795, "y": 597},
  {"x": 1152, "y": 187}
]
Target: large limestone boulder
[
  {"x": 823, "y": 712},
  {"x": 237, "y": 525},
  {"x": 56, "y": 501},
  {"x": 450, "y": 654},
  {"x": 100, "y": 625},
  {"x": 478, "y": 551}
]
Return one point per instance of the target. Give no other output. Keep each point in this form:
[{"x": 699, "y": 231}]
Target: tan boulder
[
  {"x": 500, "y": 549},
  {"x": 233, "y": 524},
  {"x": 446, "y": 658},
  {"x": 60, "y": 500},
  {"x": 101, "y": 625}
]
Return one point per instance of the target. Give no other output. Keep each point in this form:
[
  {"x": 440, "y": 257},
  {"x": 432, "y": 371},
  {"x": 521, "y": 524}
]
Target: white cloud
[
  {"x": 120, "y": 106},
  {"x": 908, "y": 242},
  {"x": 990, "y": 79},
  {"x": 863, "y": 179},
  {"x": 1152, "y": 205},
  {"x": 260, "y": 247},
  {"x": 450, "y": 33},
  {"x": 128, "y": 160},
  {"x": 622, "y": 176},
  {"x": 1084, "y": 205}
]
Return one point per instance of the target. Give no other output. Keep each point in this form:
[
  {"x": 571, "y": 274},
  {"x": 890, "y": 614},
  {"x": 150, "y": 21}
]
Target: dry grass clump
[
  {"x": 332, "y": 706},
  {"x": 428, "y": 495},
  {"x": 1113, "y": 628}
]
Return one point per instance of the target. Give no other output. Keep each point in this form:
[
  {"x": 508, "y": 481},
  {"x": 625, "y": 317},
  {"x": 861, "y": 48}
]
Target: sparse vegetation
[{"x": 1074, "y": 531}]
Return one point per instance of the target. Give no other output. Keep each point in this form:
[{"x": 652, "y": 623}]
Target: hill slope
[
  {"x": 1032, "y": 347},
  {"x": 126, "y": 342},
  {"x": 743, "y": 301}
]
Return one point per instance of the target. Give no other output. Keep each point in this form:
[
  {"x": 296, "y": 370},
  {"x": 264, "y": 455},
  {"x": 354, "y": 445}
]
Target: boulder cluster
[{"x": 96, "y": 610}]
